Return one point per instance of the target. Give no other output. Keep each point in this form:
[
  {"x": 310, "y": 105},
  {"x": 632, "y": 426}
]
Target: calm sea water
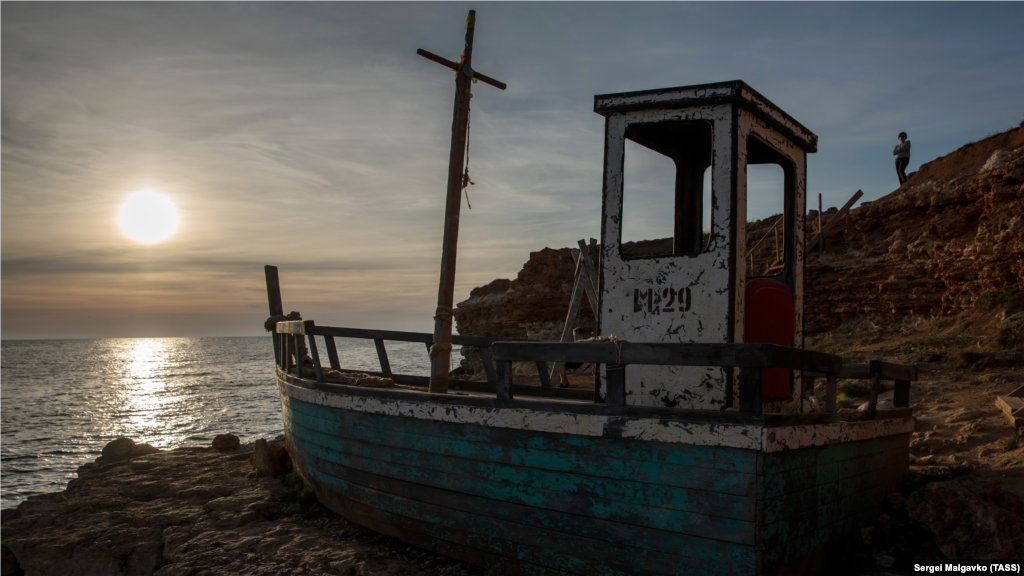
[{"x": 63, "y": 400}]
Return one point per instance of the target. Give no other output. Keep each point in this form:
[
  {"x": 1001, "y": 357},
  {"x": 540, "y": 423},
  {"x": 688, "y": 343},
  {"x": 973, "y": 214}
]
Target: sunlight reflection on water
[{"x": 63, "y": 400}]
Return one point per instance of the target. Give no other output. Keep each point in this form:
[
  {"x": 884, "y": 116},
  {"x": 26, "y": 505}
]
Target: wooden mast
[{"x": 441, "y": 350}]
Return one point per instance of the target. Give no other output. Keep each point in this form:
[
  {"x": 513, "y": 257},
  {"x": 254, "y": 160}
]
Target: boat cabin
[{"x": 696, "y": 289}]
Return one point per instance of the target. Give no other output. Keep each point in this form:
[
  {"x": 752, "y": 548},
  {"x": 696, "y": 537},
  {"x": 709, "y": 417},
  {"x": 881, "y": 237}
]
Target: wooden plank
[
  {"x": 669, "y": 354},
  {"x": 589, "y": 277},
  {"x": 890, "y": 371},
  {"x": 477, "y": 517},
  {"x": 842, "y": 502},
  {"x": 876, "y": 384},
  {"x": 615, "y": 384},
  {"x": 723, "y": 491},
  {"x": 273, "y": 290},
  {"x": 525, "y": 488},
  {"x": 435, "y": 534},
  {"x": 869, "y": 456},
  {"x": 470, "y": 386},
  {"x": 275, "y": 305},
  {"x": 578, "y": 555},
  {"x": 570, "y": 316},
  {"x": 830, "y": 393},
  {"x": 332, "y": 352},
  {"x": 832, "y": 221},
  {"x": 1013, "y": 408},
  {"x": 503, "y": 380},
  {"x": 901, "y": 394},
  {"x": 681, "y": 415},
  {"x": 811, "y": 499},
  {"x": 317, "y": 369},
  {"x": 291, "y": 327},
  {"x": 411, "y": 463},
  {"x": 542, "y": 371},
  {"x": 485, "y": 357},
  {"x": 400, "y": 336},
  {"x": 653, "y": 456},
  {"x": 382, "y": 356},
  {"x": 750, "y": 391}
]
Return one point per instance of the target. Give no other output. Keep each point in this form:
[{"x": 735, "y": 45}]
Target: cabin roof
[{"x": 702, "y": 94}]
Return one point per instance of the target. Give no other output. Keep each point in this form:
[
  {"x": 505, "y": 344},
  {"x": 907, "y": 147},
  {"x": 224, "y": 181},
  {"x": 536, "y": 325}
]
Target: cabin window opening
[
  {"x": 769, "y": 211},
  {"x": 667, "y": 185}
]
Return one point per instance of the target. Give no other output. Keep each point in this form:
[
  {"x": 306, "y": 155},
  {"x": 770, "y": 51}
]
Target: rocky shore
[
  {"x": 198, "y": 511},
  {"x": 240, "y": 509}
]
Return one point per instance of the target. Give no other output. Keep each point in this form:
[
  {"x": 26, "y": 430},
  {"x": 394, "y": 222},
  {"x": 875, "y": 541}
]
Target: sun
[{"x": 148, "y": 217}]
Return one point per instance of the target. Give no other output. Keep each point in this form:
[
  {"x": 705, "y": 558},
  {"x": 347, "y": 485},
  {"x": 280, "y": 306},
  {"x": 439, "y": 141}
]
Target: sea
[{"x": 62, "y": 401}]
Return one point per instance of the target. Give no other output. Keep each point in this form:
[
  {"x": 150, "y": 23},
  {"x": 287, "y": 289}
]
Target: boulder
[
  {"x": 270, "y": 458},
  {"x": 971, "y": 519},
  {"x": 226, "y": 442},
  {"x": 143, "y": 450},
  {"x": 118, "y": 449}
]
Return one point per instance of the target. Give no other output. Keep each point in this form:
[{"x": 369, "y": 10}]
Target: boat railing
[
  {"x": 287, "y": 335},
  {"x": 878, "y": 371},
  {"x": 749, "y": 358},
  {"x": 499, "y": 353}
]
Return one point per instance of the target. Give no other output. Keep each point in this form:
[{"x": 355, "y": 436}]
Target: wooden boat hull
[{"x": 589, "y": 501}]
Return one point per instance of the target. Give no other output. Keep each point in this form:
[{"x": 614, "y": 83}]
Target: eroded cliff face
[
  {"x": 931, "y": 248},
  {"x": 953, "y": 232}
]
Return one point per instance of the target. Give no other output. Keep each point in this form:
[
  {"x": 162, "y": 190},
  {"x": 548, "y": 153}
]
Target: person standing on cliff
[{"x": 902, "y": 154}]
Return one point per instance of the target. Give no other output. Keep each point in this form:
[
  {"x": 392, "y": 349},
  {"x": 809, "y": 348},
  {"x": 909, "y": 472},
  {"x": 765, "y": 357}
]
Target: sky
[{"x": 312, "y": 137}]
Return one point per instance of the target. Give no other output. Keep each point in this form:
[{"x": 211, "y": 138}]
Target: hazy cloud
[{"x": 310, "y": 136}]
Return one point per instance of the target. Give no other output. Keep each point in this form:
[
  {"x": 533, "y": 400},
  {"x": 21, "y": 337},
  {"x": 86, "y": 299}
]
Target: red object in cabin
[{"x": 769, "y": 319}]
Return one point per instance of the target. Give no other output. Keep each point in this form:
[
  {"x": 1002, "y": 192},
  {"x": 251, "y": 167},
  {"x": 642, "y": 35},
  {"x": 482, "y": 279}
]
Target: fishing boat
[{"x": 671, "y": 464}]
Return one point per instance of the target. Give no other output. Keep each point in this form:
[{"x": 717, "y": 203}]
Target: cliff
[{"x": 932, "y": 248}]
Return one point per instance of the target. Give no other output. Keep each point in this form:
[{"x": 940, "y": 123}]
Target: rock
[
  {"x": 198, "y": 511},
  {"x": 225, "y": 442},
  {"x": 926, "y": 460},
  {"x": 886, "y": 405},
  {"x": 118, "y": 449},
  {"x": 270, "y": 458},
  {"x": 971, "y": 519},
  {"x": 143, "y": 450},
  {"x": 963, "y": 415}
]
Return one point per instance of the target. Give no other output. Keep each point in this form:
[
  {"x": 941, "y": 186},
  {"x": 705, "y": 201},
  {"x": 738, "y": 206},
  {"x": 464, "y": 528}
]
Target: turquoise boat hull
[{"x": 498, "y": 488}]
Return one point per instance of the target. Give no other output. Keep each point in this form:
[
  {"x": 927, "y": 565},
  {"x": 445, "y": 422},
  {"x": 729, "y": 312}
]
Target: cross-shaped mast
[{"x": 441, "y": 351}]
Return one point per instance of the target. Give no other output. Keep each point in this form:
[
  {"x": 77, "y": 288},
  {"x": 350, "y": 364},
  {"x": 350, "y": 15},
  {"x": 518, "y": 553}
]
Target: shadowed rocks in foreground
[{"x": 196, "y": 511}]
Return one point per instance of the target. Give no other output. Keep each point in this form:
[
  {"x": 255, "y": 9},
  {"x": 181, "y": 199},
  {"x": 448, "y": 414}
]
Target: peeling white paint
[
  {"x": 715, "y": 280},
  {"x": 705, "y": 275},
  {"x": 635, "y": 428}
]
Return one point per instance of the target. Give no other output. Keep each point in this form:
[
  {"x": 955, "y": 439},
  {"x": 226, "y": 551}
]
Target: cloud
[{"x": 310, "y": 135}]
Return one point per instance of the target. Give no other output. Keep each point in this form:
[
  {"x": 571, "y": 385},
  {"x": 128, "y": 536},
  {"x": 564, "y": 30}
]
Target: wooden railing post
[
  {"x": 274, "y": 301},
  {"x": 382, "y": 356},
  {"x": 485, "y": 356},
  {"x": 750, "y": 391},
  {"x": 615, "y": 384},
  {"x": 332, "y": 352},
  {"x": 830, "y": 393},
  {"x": 503, "y": 379},
  {"x": 542, "y": 371},
  {"x": 876, "y": 381},
  {"x": 310, "y": 327},
  {"x": 901, "y": 394}
]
